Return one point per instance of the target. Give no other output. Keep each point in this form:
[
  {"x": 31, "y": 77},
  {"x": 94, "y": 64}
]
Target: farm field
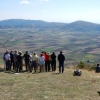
[{"x": 77, "y": 46}]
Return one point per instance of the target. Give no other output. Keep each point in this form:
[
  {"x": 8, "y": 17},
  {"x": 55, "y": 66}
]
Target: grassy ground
[{"x": 49, "y": 86}]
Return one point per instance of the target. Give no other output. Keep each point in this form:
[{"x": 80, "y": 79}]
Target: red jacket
[{"x": 47, "y": 57}]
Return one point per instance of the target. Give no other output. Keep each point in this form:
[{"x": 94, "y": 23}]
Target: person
[
  {"x": 78, "y": 72},
  {"x": 7, "y": 60},
  {"x": 47, "y": 62},
  {"x": 26, "y": 57},
  {"x": 42, "y": 62},
  {"x": 19, "y": 62},
  {"x": 97, "y": 68},
  {"x": 53, "y": 61},
  {"x": 12, "y": 59},
  {"x": 30, "y": 62},
  {"x": 34, "y": 61},
  {"x": 50, "y": 64},
  {"x": 15, "y": 59},
  {"x": 61, "y": 59}
]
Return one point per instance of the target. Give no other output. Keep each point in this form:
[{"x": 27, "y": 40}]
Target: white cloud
[
  {"x": 44, "y": 0},
  {"x": 24, "y": 2}
]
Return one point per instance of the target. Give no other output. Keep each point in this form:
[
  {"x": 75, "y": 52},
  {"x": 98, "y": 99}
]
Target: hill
[
  {"x": 78, "y": 26},
  {"x": 50, "y": 86},
  {"x": 79, "y": 41}
]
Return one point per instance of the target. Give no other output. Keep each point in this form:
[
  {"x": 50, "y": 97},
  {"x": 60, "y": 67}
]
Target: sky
[{"x": 65, "y": 11}]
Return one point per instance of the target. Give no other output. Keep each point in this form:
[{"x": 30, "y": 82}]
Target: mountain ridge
[{"x": 79, "y": 25}]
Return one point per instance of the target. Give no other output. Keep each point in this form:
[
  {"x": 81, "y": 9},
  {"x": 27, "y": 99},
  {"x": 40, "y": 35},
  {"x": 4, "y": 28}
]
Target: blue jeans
[{"x": 61, "y": 66}]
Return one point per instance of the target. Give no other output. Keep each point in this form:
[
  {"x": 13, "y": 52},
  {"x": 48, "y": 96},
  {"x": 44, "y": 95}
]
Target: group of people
[{"x": 44, "y": 62}]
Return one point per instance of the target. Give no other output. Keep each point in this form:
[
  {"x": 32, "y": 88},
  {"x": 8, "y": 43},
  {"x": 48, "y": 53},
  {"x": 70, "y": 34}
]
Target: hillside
[
  {"x": 49, "y": 86},
  {"x": 79, "y": 41},
  {"x": 78, "y": 26}
]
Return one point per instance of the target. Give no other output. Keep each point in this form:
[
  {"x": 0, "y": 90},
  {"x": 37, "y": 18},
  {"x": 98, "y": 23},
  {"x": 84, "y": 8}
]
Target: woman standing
[{"x": 42, "y": 62}]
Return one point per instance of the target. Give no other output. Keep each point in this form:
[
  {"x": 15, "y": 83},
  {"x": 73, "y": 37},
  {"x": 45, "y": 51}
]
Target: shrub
[{"x": 83, "y": 65}]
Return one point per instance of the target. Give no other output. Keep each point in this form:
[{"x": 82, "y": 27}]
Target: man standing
[
  {"x": 12, "y": 59},
  {"x": 19, "y": 62},
  {"x": 34, "y": 61},
  {"x": 15, "y": 59},
  {"x": 27, "y": 60},
  {"x": 53, "y": 61},
  {"x": 47, "y": 62},
  {"x": 61, "y": 59}
]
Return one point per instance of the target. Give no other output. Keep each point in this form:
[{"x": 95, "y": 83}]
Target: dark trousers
[
  {"x": 19, "y": 66},
  {"x": 8, "y": 65},
  {"x": 34, "y": 65},
  {"x": 53, "y": 63},
  {"x": 47, "y": 66},
  {"x": 27, "y": 65},
  {"x": 61, "y": 67},
  {"x": 12, "y": 64},
  {"x": 15, "y": 65}
]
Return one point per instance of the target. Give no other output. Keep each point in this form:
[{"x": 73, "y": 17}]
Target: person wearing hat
[
  {"x": 34, "y": 61},
  {"x": 19, "y": 62}
]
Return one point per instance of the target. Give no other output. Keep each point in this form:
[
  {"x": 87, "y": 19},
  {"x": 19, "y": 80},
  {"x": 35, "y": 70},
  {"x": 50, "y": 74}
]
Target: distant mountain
[{"x": 80, "y": 26}]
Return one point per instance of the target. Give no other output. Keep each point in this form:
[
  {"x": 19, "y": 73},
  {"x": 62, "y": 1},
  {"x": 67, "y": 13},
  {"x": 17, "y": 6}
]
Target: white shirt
[
  {"x": 42, "y": 58},
  {"x": 34, "y": 57},
  {"x": 7, "y": 56}
]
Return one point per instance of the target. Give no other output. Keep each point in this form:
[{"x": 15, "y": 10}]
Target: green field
[{"x": 77, "y": 46}]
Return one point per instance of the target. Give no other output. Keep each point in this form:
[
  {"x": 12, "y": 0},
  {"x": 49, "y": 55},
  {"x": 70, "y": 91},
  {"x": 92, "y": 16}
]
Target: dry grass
[{"x": 50, "y": 86}]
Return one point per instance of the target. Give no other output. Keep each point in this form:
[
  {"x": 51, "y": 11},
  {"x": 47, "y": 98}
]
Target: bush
[{"x": 83, "y": 65}]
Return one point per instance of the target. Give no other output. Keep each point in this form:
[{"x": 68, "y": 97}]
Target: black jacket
[
  {"x": 61, "y": 58},
  {"x": 53, "y": 57}
]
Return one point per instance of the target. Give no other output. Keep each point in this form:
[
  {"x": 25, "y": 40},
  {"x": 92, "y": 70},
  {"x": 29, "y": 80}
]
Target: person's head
[
  {"x": 53, "y": 52},
  {"x": 60, "y": 52},
  {"x": 41, "y": 54},
  {"x": 34, "y": 53},
  {"x": 16, "y": 51},
  {"x": 44, "y": 52},
  {"x": 97, "y": 65},
  {"x": 26, "y": 52},
  {"x": 10, "y": 51},
  {"x": 20, "y": 52},
  {"x": 7, "y": 51},
  {"x": 48, "y": 53}
]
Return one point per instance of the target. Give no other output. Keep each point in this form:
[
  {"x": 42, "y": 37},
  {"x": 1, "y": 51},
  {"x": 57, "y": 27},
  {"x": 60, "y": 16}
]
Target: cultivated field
[
  {"x": 77, "y": 46},
  {"x": 49, "y": 85}
]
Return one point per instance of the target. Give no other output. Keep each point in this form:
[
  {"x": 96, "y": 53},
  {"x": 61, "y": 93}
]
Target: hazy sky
[{"x": 51, "y": 10}]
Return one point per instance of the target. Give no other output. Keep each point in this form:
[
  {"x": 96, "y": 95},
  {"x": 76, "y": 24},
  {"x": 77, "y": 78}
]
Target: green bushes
[{"x": 83, "y": 65}]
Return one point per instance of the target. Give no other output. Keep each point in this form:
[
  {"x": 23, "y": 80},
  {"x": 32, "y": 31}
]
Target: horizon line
[{"x": 49, "y": 21}]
